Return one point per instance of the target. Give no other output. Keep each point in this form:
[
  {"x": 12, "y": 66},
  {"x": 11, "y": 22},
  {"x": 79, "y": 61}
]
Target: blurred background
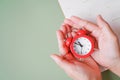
[{"x": 28, "y": 37}]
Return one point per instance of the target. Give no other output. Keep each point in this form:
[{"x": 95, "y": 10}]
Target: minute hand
[{"x": 80, "y": 44}]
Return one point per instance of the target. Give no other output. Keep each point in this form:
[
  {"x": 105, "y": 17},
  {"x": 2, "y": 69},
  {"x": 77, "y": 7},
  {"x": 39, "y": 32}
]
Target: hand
[
  {"x": 84, "y": 70},
  {"x": 107, "y": 52}
]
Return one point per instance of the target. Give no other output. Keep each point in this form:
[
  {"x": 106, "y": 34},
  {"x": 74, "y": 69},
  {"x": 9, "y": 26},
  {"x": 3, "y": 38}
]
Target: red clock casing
[{"x": 72, "y": 46}]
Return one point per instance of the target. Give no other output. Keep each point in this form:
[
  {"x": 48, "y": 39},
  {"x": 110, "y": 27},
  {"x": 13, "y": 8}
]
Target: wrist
[
  {"x": 116, "y": 68},
  {"x": 95, "y": 77}
]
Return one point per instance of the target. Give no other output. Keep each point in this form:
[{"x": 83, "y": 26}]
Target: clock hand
[
  {"x": 76, "y": 43},
  {"x": 80, "y": 44},
  {"x": 81, "y": 47},
  {"x": 81, "y": 50}
]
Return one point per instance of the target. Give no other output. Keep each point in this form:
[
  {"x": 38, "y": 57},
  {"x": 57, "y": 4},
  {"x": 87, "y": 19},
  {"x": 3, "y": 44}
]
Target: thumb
[
  {"x": 103, "y": 24},
  {"x": 62, "y": 62}
]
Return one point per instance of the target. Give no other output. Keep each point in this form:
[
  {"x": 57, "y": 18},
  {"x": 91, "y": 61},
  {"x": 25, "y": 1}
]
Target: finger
[
  {"x": 103, "y": 24},
  {"x": 74, "y": 29},
  {"x": 87, "y": 25},
  {"x": 102, "y": 69},
  {"x": 61, "y": 44},
  {"x": 63, "y": 63},
  {"x": 64, "y": 29},
  {"x": 96, "y": 56},
  {"x": 69, "y": 22},
  {"x": 74, "y": 34},
  {"x": 82, "y": 22},
  {"x": 68, "y": 28},
  {"x": 63, "y": 23},
  {"x": 69, "y": 34},
  {"x": 90, "y": 61},
  {"x": 69, "y": 57}
]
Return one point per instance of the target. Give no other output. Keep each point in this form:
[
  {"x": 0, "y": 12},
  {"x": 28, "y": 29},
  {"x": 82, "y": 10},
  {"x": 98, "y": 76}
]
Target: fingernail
[
  {"x": 72, "y": 17},
  {"x": 100, "y": 16},
  {"x": 68, "y": 21}
]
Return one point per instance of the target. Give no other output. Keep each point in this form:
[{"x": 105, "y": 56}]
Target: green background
[{"x": 28, "y": 37}]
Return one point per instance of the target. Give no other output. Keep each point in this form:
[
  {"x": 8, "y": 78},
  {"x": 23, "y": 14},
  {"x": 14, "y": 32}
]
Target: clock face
[{"x": 82, "y": 46}]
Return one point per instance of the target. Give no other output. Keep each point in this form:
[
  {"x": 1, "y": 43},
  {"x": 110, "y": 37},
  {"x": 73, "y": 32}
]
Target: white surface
[{"x": 89, "y": 9}]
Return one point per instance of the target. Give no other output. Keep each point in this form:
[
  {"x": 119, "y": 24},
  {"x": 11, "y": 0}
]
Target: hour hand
[{"x": 77, "y": 43}]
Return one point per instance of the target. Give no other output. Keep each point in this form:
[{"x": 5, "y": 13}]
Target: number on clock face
[{"x": 82, "y": 46}]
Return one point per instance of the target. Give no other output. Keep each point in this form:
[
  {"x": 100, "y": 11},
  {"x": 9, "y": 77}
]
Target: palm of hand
[
  {"x": 76, "y": 70},
  {"x": 107, "y": 49}
]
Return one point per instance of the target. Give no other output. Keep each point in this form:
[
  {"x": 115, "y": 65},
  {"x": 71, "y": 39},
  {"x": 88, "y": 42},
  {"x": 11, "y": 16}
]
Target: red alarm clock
[{"x": 82, "y": 45}]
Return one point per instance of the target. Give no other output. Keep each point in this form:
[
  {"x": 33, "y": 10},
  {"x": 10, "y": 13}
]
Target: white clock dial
[{"x": 82, "y": 46}]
